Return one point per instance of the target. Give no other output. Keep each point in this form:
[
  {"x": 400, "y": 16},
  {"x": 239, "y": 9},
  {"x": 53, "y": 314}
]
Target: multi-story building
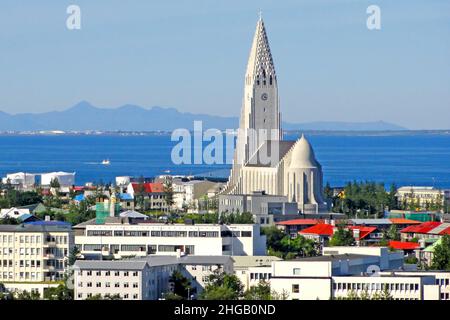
[
  {"x": 345, "y": 271},
  {"x": 152, "y": 194},
  {"x": 264, "y": 207},
  {"x": 423, "y": 196},
  {"x": 252, "y": 269},
  {"x": 145, "y": 278},
  {"x": 120, "y": 237},
  {"x": 34, "y": 255}
]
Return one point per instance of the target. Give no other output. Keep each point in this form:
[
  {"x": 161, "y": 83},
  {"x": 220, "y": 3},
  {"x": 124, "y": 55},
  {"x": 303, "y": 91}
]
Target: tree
[
  {"x": 168, "y": 193},
  {"x": 73, "y": 255},
  {"x": 342, "y": 237},
  {"x": 327, "y": 191},
  {"x": 222, "y": 286},
  {"x": 26, "y": 295},
  {"x": 181, "y": 285},
  {"x": 60, "y": 292},
  {"x": 391, "y": 233},
  {"x": 54, "y": 183},
  {"x": 441, "y": 255},
  {"x": 259, "y": 292}
]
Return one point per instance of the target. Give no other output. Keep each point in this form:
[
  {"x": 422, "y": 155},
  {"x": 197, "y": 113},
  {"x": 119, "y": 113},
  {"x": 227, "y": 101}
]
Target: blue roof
[
  {"x": 49, "y": 223},
  {"x": 125, "y": 196},
  {"x": 24, "y": 217},
  {"x": 79, "y": 197}
]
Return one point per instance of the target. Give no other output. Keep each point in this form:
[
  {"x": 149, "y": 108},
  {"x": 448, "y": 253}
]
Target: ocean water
[{"x": 404, "y": 160}]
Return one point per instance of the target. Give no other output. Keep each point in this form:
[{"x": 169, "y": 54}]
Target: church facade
[{"x": 263, "y": 161}]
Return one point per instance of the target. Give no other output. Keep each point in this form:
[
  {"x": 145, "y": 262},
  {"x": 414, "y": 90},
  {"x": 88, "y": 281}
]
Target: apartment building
[
  {"x": 252, "y": 269},
  {"x": 119, "y": 237},
  {"x": 424, "y": 196},
  {"x": 33, "y": 255},
  {"x": 342, "y": 271},
  {"x": 145, "y": 278},
  {"x": 442, "y": 279}
]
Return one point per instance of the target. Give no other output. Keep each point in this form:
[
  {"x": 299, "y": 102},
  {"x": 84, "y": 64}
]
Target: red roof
[
  {"x": 299, "y": 222},
  {"x": 320, "y": 229},
  {"x": 404, "y": 221},
  {"x": 149, "y": 187},
  {"x": 400, "y": 245},
  {"x": 363, "y": 230},
  {"x": 445, "y": 231},
  {"x": 421, "y": 228}
]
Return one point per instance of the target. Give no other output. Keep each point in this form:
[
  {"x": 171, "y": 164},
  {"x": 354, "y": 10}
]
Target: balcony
[{"x": 50, "y": 244}]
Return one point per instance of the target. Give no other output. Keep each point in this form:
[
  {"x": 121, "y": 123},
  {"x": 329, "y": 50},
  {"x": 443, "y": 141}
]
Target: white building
[
  {"x": 186, "y": 194},
  {"x": 120, "y": 237},
  {"x": 20, "y": 180},
  {"x": 252, "y": 269},
  {"x": 146, "y": 278},
  {"x": 15, "y": 213},
  {"x": 33, "y": 256},
  {"x": 343, "y": 271},
  {"x": 422, "y": 195},
  {"x": 65, "y": 179},
  {"x": 262, "y": 160}
]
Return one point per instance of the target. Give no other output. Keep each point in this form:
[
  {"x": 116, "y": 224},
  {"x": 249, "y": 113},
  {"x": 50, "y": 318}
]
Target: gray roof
[
  {"x": 254, "y": 261},
  {"x": 337, "y": 257},
  {"x": 283, "y": 148},
  {"x": 34, "y": 228},
  {"x": 133, "y": 214},
  {"x": 371, "y": 221},
  {"x": 111, "y": 265},
  {"x": 139, "y": 263}
]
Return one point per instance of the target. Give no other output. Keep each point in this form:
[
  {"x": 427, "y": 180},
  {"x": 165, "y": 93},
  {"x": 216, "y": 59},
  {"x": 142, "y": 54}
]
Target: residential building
[
  {"x": 145, "y": 278},
  {"x": 33, "y": 255},
  {"x": 20, "y": 180},
  {"x": 65, "y": 179},
  {"x": 252, "y": 269},
  {"x": 425, "y": 197},
  {"x": 342, "y": 271},
  {"x": 124, "y": 237},
  {"x": 153, "y": 197},
  {"x": 264, "y": 207}
]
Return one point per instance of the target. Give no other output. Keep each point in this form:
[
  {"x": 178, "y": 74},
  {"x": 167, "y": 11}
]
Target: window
[
  {"x": 125, "y": 285},
  {"x": 246, "y": 234},
  {"x": 135, "y": 296},
  {"x": 135, "y": 285},
  {"x": 296, "y": 271},
  {"x": 89, "y": 284},
  {"x": 99, "y": 285},
  {"x": 117, "y": 285},
  {"x": 295, "y": 288},
  {"x": 135, "y": 274},
  {"x": 107, "y": 284},
  {"x": 117, "y": 273}
]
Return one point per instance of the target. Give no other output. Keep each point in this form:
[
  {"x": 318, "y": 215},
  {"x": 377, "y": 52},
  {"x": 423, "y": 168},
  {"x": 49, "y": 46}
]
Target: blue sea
[{"x": 404, "y": 160}]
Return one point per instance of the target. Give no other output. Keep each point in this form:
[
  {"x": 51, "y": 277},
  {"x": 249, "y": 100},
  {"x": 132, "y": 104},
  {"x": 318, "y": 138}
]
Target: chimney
[{"x": 47, "y": 218}]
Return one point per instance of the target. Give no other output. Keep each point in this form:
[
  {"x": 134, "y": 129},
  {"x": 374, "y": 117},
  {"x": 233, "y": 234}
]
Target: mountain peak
[{"x": 82, "y": 105}]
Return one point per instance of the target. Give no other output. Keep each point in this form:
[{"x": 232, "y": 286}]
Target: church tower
[{"x": 260, "y": 114}]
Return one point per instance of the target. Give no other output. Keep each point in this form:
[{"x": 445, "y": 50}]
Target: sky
[{"x": 192, "y": 55}]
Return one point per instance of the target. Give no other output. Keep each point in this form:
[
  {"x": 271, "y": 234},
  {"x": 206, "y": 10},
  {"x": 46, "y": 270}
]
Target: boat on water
[{"x": 106, "y": 162}]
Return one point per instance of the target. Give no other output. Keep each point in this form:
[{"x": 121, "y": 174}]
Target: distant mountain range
[{"x": 84, "y": 116}]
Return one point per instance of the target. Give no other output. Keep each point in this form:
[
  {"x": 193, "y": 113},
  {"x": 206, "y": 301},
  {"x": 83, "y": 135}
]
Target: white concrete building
[
  {"x": 252, "y": 269},
  {"x": 13, "y": 213},
  {"x": 262, "y": 160},
  {"x": 65, "y": 179},
  {"x": 20, "y": 180},
  {"x": 32, "y": 257},
  {"x": 422, "y": 195},
  {"x": 145, "y": 278},
  {"x": 119, "y": 237},
  {"x": 343, "y": 271}
]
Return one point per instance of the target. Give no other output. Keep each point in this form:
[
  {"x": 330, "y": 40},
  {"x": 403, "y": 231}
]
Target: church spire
[{"x": 260, "y": 67}]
